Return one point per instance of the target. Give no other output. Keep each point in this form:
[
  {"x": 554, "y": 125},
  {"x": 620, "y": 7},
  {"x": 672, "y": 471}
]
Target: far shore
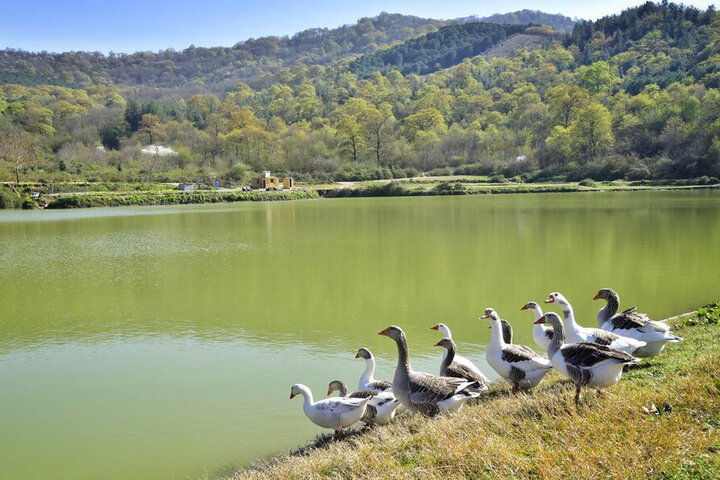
[{"x": 87, "y": 195}]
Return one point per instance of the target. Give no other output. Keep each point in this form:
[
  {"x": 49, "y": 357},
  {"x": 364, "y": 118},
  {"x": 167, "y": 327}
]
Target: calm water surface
[{"x": 161, "y": 343}]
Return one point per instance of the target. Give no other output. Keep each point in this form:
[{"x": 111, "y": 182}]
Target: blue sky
[{"x": 134, "y": 25}]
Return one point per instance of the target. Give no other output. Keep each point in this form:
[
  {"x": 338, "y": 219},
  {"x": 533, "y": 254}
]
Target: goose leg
[
  {"x": 577, "y": 394},
  {"x": 515, "y": 388},
  {"x": 338, "y": 434},
  {"x": 600, "y": 393}
]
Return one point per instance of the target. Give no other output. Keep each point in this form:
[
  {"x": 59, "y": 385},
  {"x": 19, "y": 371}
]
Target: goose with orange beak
[
  {"x": 575, "y": 333},
  {"x": 462, "y": 362},
  {"x": 630, "y": 323},
  {"x": 518, "y": 364},
  {"x": 335, "y": 413},
  {"x": 586, "y": 364},
  {"x": 422, "y": 392}
]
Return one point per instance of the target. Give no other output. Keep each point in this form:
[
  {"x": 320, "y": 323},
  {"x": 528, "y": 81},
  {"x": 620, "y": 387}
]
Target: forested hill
[
  {"x": 523, "y": 17},
  {"x": 444, "y": 48},
  {"x": 250, "y": 61}
]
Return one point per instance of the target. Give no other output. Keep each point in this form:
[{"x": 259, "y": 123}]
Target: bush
[
  {"x": 498, "y": 179},
  {"x": 587, "y": 182},
  {"x": 8, "y": 199}
]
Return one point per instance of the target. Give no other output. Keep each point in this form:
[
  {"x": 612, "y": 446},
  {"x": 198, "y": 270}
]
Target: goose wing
[
  {"x": 427, "y": 388},
  {"x": 459, "y": 370},
  {"x": 589, "y": 354},
  {"x": 339, "y": 405},
  {"x": 379, "y": 385},
  {"x": 602, "y": 337},
  {"x": 523, "y": 358}
]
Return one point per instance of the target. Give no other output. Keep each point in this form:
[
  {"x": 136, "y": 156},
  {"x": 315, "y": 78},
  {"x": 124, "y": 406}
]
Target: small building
[
  {"x": 186, "y": 187},
  {"x": 268, "y": 182}
]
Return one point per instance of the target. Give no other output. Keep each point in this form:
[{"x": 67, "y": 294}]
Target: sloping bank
[
  {"x": 662, "y": 421},
  {"x": 175, "y": 198}
]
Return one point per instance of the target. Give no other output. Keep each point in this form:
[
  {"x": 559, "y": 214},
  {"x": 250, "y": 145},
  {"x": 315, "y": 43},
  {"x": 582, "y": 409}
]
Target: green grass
[
  {"x": 174, "y": 198},
  {"x": 543, "y": 435}
]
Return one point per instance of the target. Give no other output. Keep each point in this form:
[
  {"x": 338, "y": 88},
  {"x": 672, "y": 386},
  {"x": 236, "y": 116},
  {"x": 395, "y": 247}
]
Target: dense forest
[
  {"x": 444, "y": 48},
  {"x": 632, "y": 96}
]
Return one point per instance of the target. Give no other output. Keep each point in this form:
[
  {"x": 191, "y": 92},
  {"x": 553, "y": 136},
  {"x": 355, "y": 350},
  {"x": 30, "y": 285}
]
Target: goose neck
[{"x": 496, "y": 339}]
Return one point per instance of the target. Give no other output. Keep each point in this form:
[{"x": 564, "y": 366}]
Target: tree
[
  {"x": 591, "y": 132},
  {"x": 349, "y": 134},
  {"x": 16, "y": 149},
  {"x": 565, "y": 100},
  {"x": 150, "y": 127},
  {"x": 375, "y": 122}
]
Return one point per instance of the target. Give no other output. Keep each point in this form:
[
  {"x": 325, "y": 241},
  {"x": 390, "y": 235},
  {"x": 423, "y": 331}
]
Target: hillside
[
  {"x": 248, "y": 61},
  {"x": 660, "y": 423},
  {"x": 531, "y": 39},
  {"x": 434, "y": 51},
  {"x": 524, "y": 17}
]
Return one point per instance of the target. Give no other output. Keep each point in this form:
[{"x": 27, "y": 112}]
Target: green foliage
[
  {"x": 8, "y": 198},
  {"x": 587, "y": 182}
]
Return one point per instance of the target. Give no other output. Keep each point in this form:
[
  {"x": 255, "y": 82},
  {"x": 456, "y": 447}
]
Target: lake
[{"x": 161, "y": 342}]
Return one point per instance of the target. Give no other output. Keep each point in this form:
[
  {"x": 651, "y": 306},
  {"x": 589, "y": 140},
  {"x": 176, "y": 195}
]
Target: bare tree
[{"x": 16, "y": 149}]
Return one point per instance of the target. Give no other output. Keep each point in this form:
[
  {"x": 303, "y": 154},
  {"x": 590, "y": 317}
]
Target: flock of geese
[{"x": 590, "y": 357}]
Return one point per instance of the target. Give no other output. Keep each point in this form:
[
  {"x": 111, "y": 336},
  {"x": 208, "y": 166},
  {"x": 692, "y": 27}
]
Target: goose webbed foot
[{"x": 600, "y": 393}]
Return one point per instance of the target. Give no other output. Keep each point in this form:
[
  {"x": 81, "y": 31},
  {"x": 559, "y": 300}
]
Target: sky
[{"x": 150, "y": 25}]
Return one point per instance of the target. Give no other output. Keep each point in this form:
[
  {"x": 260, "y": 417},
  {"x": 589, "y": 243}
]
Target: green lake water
[{"x": 161, "y": 343}]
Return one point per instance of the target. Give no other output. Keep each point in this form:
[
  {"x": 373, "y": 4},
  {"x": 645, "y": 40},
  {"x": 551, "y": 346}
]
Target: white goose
[
  {"x": 423, "y": 392},
  {"x": 459, "y": 359},
  {"x": 335, "y": 413},
  {"x": 586, "y": 364},
  {"x": 630, "y": 323},
  {"x": 519, "y": 365},
  {"x": 574, "y": 333},
  {"x": 380, "y": 409},
  {"x": 541, "y": 334},
  {"x": 367, "y": 380}
]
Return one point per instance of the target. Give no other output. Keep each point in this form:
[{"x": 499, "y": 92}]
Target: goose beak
[
  {"x": 292, "y": 394},
  {"x": 524, "y": 307},
  {"x": 550, "y": 299},
  {"x": 597, "y": 296},
  {"x": 357, "y": 355},
  {"x": 540, "y": 320},
  {"x": 329, "y": 392},
  {"x": 485, "y": 315},
  {"x": 384, "y": 332},
  {"x": 434, "y": 328},
  {"x": 439, "y": 344}
]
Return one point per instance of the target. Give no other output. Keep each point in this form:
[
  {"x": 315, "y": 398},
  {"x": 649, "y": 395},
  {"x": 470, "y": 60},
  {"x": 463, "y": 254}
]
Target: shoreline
[
  {"x": 666, "y": 410},
  {"x": 385, "y": 188}
]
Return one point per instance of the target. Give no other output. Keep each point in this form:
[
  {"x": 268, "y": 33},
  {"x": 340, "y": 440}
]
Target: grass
[
  {"x": 175, "y": 198},
  {"x": 662, "y": 421}
]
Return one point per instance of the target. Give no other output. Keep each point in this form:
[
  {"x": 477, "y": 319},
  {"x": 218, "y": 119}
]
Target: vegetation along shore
[
  {"x": 88, "y": 194},
  {"x": 661, "y": 422}
]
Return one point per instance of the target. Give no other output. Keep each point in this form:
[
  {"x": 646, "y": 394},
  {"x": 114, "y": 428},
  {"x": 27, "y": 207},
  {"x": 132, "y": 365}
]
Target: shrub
[
  {"x": 587, "y": 182},
  {"x": 8, "y": 199},
  {"x": 498, "y": 179}
]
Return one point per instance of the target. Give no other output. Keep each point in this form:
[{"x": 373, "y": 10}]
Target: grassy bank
[
  {"x": 470, "y": 185},
  {"x": 175, "y": 198},
  {"x": 662, "y": 421}
]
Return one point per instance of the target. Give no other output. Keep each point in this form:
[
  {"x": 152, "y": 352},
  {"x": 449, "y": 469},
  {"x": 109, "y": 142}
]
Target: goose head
[
  {"x": 530, "y": 306},
  {"x": 446, "y": 343},
  {"x": 393, "y": 332},
  {"x": 442, "y": 328},
  {"x": 297, "y": 389},
  {"x": 605, "y": 294},
  {"x": 364, "y": 353},
  {"x": 553, "y": 319},
  {"x": 491, "y": 314},
  {"x": 337, "y": 385},
  {"x": 557, "y": 297}
]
